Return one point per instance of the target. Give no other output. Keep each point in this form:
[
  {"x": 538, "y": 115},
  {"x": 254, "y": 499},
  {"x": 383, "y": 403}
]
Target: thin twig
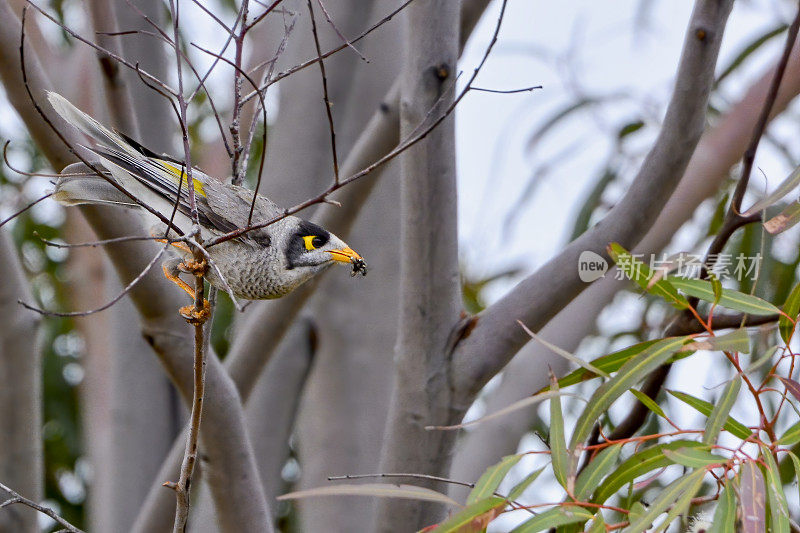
[
  {"x": 734, "y": 219},
  {"x": 105, "y": 306},
  {"x": 199, "y": 314},
  {"x": 339, "y": 33},
  {"x": 237, "y": 168},
  {"x": 325, "y": 97},
  {"x": 287, "y": 31},
  {"x": 264, "y": 111},
  {"x": 201, "y": 80},
  {"x": 17, "y": 498},
  {"x": 402, "y": 147},
  {"x": 100, "y": 49},
  {"x": 64, "y": 140},
  {"x": 510, "y": 91},
  {"x": 18, "y": 213},
  {"x": 94, "y": 244},
  {"x": 327, "y": 54}
]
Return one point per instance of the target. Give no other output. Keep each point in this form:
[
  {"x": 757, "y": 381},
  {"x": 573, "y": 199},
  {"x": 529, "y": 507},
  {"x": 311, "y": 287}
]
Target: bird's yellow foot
[
  {"x": 193, "y": 267},
  {"x": 194, "y": 316},
  {"x": 182, "y": 246}
]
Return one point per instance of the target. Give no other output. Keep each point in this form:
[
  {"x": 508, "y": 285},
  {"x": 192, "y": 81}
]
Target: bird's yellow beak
[{"x": 345, "y": 255}]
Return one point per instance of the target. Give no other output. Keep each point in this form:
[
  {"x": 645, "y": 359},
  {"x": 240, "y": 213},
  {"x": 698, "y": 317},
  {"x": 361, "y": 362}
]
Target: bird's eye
[{"x": 313, "y": 242}]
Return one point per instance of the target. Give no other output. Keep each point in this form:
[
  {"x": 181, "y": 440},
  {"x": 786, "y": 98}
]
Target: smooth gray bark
[
  {"x": 145, "y": 410},
  {"x": 273, "y": 406},
  {"x": 496, "y": 337},
  {"x": 20, "y": 393},
  {"x": 720, "y": 148},
  {"x": 231, "y": 465},
  {"x": 484, "y": 344},
  {"x": 429, "y": 294},
  {"x": 347, "y": 397}
]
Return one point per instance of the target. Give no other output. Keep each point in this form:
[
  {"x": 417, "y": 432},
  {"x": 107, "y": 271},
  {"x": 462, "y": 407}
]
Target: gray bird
[{"x": 265, "y": 263}]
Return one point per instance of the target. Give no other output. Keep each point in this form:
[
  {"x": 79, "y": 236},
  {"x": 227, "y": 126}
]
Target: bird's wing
[
  {"x": 165, "y": 179},
  {"x": 230, "y": 205},
  {"x": 221, "y": 207}
]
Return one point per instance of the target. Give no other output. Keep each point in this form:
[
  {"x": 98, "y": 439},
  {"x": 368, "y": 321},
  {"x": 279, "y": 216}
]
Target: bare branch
[
  {"x": 324, "y": 92},
  {"x": 16, "y": 498},
  {"x": 114, "y": 300},
  {"x": 327, "y": 54},
  {"x": 494, "y": 340}
]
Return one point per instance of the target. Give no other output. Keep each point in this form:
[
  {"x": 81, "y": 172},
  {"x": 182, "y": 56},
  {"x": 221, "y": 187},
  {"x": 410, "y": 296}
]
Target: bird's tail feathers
[
  {"x": 86, "y": 123},
  {"x": 77, "y": 190}
]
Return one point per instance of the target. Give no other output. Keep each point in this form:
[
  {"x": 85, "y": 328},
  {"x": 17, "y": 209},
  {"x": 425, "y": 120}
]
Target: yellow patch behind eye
[
  {"x": 198, "y": 187},
  {"x": 309, "y": 239}
]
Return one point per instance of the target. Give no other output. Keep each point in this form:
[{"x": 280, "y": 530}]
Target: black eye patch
[
  {"x": 297, "y": 246},
  {"x": 307, "y": 229}
]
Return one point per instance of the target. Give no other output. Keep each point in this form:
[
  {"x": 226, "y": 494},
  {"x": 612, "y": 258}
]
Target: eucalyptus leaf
[
  {"x": 474, "y": 517},
  {"x": 557, "y": 516},
  {"x": 491, "y": 479},
  {"x": 722, "y": 408},
  {"x": 675, "y": 497},
  {"x": 631, "y": 372},
  {"x": 731, "y": 425},
  {"x": 596, "y": 470},
  {"x": 725, "y": 514},
  {"x": 730, "y": 298}
]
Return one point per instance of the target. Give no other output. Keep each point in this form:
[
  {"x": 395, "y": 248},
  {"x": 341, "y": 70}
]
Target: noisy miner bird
[{"x": 269, "y": 262}]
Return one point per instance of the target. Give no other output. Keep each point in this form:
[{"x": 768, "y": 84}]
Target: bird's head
[{"x": 311, "y": 249}]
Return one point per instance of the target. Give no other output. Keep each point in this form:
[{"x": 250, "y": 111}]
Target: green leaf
[
  {"x": 796, "y": 463},
  {"x": 792, "y": 387},
  {"x": 730, "y": 299},
  {"x": 731, "y": 425},
  {"x": 748, "y": 50},
  {"x": 676, "y": 497},
  {"x": 694, "y": 457},
  {"x": 725, "y": 513},
  {"x": 557, "y": 516},
  {"x": 719, "y": 415},
  {"x": 629, "y": 128},
  {"x": 777, "y": 506},
  {"x": 763, "y": 359},
  {"x": 752, "y": 498},
  {"x": 786, "y": 186},
  {"x": 638, "y": 465},
  {"x": 563, "y": 353},
  {"x": 608, "y": 363},
  {"x": 636, "y": 511},
  {"x": 648, "y": 402},
  {"x": 791, "y": 436},
  {"x": 380, "y": 490},
  {"x": 792, "y": 308},
  {"x": 519, "y": 404},
  {"x": 558, "y": 441},
  {"x": 593, "y": 474},
  {"x": 735, "y": 341},
  {"x": 598, "y": 524},
  {"x": 592, "y": 201},
  {"x": 641, "y": 274},
  {"x": 491, "y": 479},
  {"x": 628, "y": 375},
  {"x": 461, "y": 521},
  {"x": 716, "y": 286},
  {"x": 784, "y": 220},
  {"x": 520, "y": 487}
]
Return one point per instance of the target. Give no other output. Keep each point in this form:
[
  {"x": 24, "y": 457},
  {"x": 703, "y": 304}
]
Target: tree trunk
[
  {"x": 20, "y": 393},
  {"x": 429, "y": 298},
  {"x": 717, "y": 152}
]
